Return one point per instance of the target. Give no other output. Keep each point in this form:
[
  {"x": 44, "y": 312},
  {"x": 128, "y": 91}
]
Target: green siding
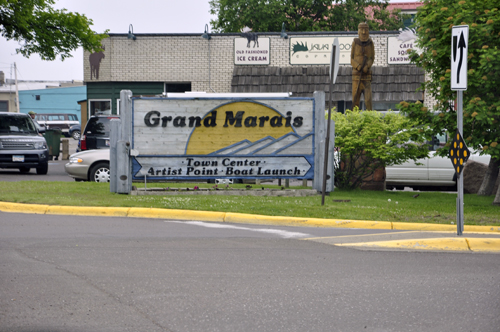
[{"x": 111, "y": 90}]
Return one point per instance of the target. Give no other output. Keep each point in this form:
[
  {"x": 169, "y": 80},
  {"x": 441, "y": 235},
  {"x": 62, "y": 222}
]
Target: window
[
  {"x": 4, "y": 106},
  {"x": 177, "y": 87},
  {"x": 37, "y": 97},
  {"x": 99, "y": 106},
  {"x": 409, "y": 18},
  {"x": 98, "y": 127},
  {"x": 57, "y": 117}
]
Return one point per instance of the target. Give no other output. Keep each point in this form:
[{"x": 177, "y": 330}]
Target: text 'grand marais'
[{"x": 155, "y": 119}]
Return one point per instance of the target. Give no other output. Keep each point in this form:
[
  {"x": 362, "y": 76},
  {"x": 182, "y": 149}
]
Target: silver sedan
[{"x": 89, "y": 165}]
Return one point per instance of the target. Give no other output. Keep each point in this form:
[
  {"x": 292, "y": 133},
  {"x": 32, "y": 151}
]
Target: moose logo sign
[{"x": 251, "y": 50}]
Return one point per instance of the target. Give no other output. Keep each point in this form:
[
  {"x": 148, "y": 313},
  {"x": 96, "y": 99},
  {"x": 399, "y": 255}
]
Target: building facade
[
  {"x": 154, "y": 64},
  {"x": 55, "y": 100},
  {"x": 41, "y": 96}
]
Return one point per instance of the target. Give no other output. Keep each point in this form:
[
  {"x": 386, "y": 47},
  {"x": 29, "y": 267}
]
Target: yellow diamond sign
[{"x": 458, "y": 153}]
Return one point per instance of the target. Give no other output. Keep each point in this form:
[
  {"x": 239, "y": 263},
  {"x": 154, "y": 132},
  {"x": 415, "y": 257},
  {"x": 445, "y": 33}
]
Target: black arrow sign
[
  {"x": 461, "y": 46},
  {"x": 455, "y": 40}
]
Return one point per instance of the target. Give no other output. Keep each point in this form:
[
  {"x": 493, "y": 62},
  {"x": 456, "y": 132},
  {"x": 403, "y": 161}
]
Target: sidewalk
[{"x": 418, "y": 236}]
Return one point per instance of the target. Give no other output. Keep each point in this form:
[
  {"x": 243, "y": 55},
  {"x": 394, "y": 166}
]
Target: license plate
[{"x": 18, "y": 158}]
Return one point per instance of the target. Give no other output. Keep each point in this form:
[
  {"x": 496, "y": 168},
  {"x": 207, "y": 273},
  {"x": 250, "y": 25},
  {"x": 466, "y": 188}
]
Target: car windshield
[{"x": 16, "y": 125}]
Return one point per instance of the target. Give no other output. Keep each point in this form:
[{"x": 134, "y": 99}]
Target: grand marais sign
[{"x": 210, "y": 138}]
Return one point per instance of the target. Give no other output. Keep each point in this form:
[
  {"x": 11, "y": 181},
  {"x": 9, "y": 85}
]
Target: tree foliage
[
  {"x": 302, "y": 15},
  {"x": 46, "y": 31},
  {"x": 481, "y": 100},
  {"x": 369, "y": 140}
]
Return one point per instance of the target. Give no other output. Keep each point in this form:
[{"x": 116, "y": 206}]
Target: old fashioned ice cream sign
[
  {"x": 207, "y": 138},
  {"x": 317, "y": 50},
  {"x": 251, "y": 50}
]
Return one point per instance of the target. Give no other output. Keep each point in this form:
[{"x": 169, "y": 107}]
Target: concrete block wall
[{"x": 207, "y": 64}]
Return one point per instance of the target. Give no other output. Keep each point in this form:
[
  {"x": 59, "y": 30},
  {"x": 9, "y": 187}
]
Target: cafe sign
[{"x": 398, "y": 47}]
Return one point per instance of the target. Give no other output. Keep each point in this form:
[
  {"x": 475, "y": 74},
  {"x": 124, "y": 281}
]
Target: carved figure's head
[{"x": 363, "y": 31}]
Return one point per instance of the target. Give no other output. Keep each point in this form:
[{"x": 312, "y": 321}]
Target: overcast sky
[{"x": 146, "y": 16}]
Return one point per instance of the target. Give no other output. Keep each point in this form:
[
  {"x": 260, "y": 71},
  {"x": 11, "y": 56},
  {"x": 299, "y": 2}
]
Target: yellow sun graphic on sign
[{"x": 236, "y": 122}]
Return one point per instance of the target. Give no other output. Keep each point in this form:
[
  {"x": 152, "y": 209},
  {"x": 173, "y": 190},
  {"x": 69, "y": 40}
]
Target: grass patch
[{"x": 428, "y": 207}]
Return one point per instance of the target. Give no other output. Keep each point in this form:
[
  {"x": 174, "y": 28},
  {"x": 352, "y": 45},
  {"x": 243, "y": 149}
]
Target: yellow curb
[
  {"x": 233, "y": 217},
  {"x": 23, "y": 208},
  {"x": 422, "y": 244},
  {"x": 484, "y": 244},
  {"x": 423, "y": 227},
  {"x": 88, "y": 211},
  {"x": 176, "y": 214},
  {"x": 275, "y": 220},
  {"x": 473, "y": 228}
]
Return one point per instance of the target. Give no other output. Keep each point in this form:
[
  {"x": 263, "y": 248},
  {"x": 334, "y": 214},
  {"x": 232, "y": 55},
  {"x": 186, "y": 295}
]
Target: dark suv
[
  {"x": 21, "y": 146},
  {"x": 96, "y": 132}
]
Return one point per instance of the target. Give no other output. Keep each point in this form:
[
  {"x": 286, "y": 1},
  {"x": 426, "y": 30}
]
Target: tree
[
  {"x": 44, "y": 30},
  {"x": 481, "y": 100},
  {"x": 369, "y": 140},
  {"x": 302, "y": 15}
]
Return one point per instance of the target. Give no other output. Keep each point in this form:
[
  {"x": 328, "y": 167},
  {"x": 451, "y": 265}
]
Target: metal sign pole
[
  {"x": 334, "y": 68},
  {"x": 459, "y": 50},
  {"x": 460, "y": 178},
  {"x": 327, "y": 143}
]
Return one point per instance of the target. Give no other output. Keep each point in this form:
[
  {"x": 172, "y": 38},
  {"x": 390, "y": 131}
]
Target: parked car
[
  {"x": 90, "y": 165},
  {"x": 96, "y": 132},
  {"x": 61, "y": 121},
  {"x": 75, "y": 131},
  {"x": 21, "y": 145},
  {"x": 434, "y": 171}
]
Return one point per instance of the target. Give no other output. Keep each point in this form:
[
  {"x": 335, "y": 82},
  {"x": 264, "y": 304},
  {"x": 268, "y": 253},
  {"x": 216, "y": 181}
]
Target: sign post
[
  {"x": 459, "y": 52},
  {"x": 334, "y": 69}
]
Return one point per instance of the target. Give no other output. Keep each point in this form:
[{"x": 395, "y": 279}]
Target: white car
[
  {"x": 434, "y": 171},
  {"x": 89, "y": 165}
]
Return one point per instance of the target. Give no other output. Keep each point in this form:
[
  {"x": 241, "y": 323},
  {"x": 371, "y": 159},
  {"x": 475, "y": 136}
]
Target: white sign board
[
  {"x": 253, "y": 50},
  {"x": 317, "y": 50},
  {"x": 397, "y": 50},
  {"x": 459, "y": 52},
  {"x": 212, "y": 138},
  {"x": 334, "y": 60}
]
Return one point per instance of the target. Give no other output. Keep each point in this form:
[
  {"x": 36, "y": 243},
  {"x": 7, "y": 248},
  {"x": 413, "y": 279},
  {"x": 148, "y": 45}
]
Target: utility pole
[{"x": 17, "y": 90}]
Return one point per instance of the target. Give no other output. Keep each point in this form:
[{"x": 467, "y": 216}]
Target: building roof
[
  {"x": 10, "y": 85},
  {"x": 394, "y": 83},
  {"x": 405, "y": 6}
]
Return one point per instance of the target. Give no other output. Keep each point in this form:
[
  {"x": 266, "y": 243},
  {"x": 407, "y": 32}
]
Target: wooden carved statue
[{"x": 362, "y": 57}]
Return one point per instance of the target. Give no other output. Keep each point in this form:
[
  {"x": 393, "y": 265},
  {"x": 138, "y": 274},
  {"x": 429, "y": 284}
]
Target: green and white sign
[{"x": 317, "y": 50}]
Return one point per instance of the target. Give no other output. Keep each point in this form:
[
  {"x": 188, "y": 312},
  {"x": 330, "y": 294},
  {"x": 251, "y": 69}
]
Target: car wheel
[
  {"x": 42, "y": 170},
  {"x": 24, "y": 169},
  {"x": 99, "y": 173},
  {"x": 76, "y": 135}
]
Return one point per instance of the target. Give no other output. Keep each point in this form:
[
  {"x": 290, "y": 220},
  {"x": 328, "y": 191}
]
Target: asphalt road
[{"x": 72, "y": 273}]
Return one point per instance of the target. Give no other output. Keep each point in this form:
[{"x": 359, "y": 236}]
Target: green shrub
[{"x": 368, "y": 140}]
